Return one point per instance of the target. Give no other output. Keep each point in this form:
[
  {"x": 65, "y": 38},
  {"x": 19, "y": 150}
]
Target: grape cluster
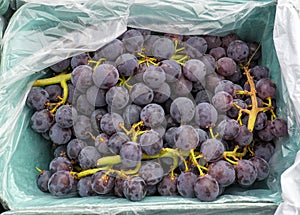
[{"x": 157, "y": 114}]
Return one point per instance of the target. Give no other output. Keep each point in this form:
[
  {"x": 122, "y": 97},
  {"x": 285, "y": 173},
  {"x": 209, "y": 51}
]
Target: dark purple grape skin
[
  {"x": 172, "y": 69},
  {"x": 162, "y": 94},
  {"x": 151, "y": 190},
  {"x": 181, "y": 87},
  {"x": 168, "y": 186},
  {"x": 238, "y": 50},
  {"x": 152, "y": 115},
  {"x": 246, "y": 173},
  {"x": 83, "y": 106},
  {"x": 74, "y": 147},
  {"x": 163, "y": 48},
  {"x": 151, "y": 172},
  {"x": 212, "y": 80},
  {"x": 131, "y": 114},
  {"x": 151, "y": 142},
  {"x": 226, "y": 66},
  {"x": 131, "y": 154},
  {"x": 88, "y": 157},
  {"x": 101, "y": 144},
  {"x": 105, "y": 76},
  {"x": 223, "y": 172},
  {"x": 96, "y": 97},
  {"x": 154, "y": 77},
  {"x": 37, "y": 98},
  {"x": 81, "y": 77},
  {"x": 71, "y": 89},
  {"x": 61, "y": 183},
  {"x": 110, "y": 123},
  {"x": 127, "y": 64},
  {"x": 60, "y": 150},
  {"x": 202, "y": 96},
  {"x": 279, "y": 127},
  {"x": 228, "y": 129},
  {"x": 96, "y": 118},
  {"x": 84, "y": 187},
  {"x": 182, "y": 110},
  {"x": 102, "y": 183},
  {"x": 81, "y": 59},
  {"x": 244, "y": 138},
  {"x": 264, "y": 150},
  {"x": 266, "y": 133},
  {"x": 233, "y": 112},
  {"x": 185, "y": 184},
  {"x": 111, "y": 51},
  {"x": 254, "y": 50},
  {"x": 54, "y": 91},
  {"x": 59, "y": 135},
  {"x": 60, "y": 163},
  {"x": 266, "y": 88},
  {"x": 217, "y": 52},
  {"x": 133, "y": 40},
  {"x": 222, "y": 101},
  {"x": 169, "y": 137},
  {"x": 82, "y": 127},
  {"x": 134, "y": 188},
  {"x": 227, "y": 86},
  {"x": 206, "y": 188},
  {"x": 261, "y": 121},
  {"x": 42, "y": 180},
  {"x": 205, "y": 115},
  {"x": 212, "y": 150},
  {"x": 141, "y": 94},
  {"x": 186, "y": 137},
  {"x": 212, "y": 41},
  {"x": 227, "y": 39},
  {"x": 262, "y": 166},
  {"x": 118, "y": 188},
  {"x": 117, "y": 97},
  {"x": 259, "y": 72},
  {"x": 41, "y": 121},
  {"x": 194, "y": 70},
  {"x": 195, "y": 47},
  {"x": 65, "y": 115},
  {"x": 116, "y": 141},
  {"x": 61, "y": 66}
]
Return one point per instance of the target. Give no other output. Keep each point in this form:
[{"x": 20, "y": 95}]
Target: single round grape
[
  {"x": 264, "y": 150},
  {"x": 74, "y": 147},
  {"x": 96, "y": 96},
  {"x": 131, "y": 154},
  {"x": 54, "y": 91},
  {"x": 205, "y": 115},
  {"x": 266, "y": 133},
  {"x": 131, "y": 114},
  {"x": 116, "y": 141},
  {"x": 223, "y": 172},
  {"x": 163, "y": 48},
  {"x": 59, "y": 135},
  {"x": 60, "y": 150},
  {"x": 81, "y": 77},
  {"x": 127, "y": 64},
  {"x": 202, "y": 96},
  {"x": 133, "y": 40},
  {"x": 227, "y": 86},
  {"x": 154, "y": 77},
  {"x": 148, "y": 43},
  {"x": 217, "y": 52},
  {"x": 261, "y": 121},
  {"x": 227, "y": 39},
  {"x": 82, "y": 127},
  {"x": 203, "y": 136},
  {"x": 141, "y": 94},
  {"x": 262, "y": 166},
  {"x": 279, "y": 127},
  {"x": 236, "y": 78},
  {"x": 41, "y": 121},
  {"x": 168, "y": 186},
  {"x": 81, "y": 59},
  {"x": 105, "y": 76},
  {"x": 266, "y": 88},
  {"x": 96, "y": 118},
  {"x": 151, "y": 172},
  {"x": 186, "y": 137},
  {"x": 172, "y": 70},
  {"x": 228, "y": 129},
  {"x": 61, "y": 66},
  {"x": 152, "y": 115},
  {"x": 162, "y": 93},
  {"x": 212, "y": 150},
  {"x": 83, "y": 106},
  {"x": 226, "y": 66},
  {"x": 102, "y": 183},
  {"x": 134, "y": 188},
  {"x": 101, "y": 144},
  {"x": 151, "y": 142},
  {"x": 169, "y": 137},
  {"x": 212, "y": 41},
  {"x": 238, "y": 50},
  {"x": 61, "y": 183},
  {"x": 88, "y": 157},
  {"x": 244, "y": 137},
  {"x": 117, "y": 97},
  {"x": 37, "y": 98},
  {"x": 84, "y": 187},
  {"x": 194, "y": 70},
  {"x": 111, "y": 51},
  {"x": 65, "y": 115},
  {"x": 110, "y": 123},
  {"x": 222, "y": 101},
  {"x": 209, "y": 62},
  {"x": 195, "y": 47},
  {"x": 206, "y": 188},
  {"x": 259, "y": 72},
  {"x": 246, "y": 173},
  {"x": 182, "y": 110},
  {"x": 60, "y": 163},
  {"x": 233, "y": 112},
  {"x": 185, "y": 184},
  {"x": 42, "y": 180}
]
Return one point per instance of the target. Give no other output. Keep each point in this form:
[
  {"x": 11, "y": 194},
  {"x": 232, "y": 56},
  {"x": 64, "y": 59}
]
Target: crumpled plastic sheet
[
  {"x": 41, "y": 34},
  {"x": 287, "y": 43}
]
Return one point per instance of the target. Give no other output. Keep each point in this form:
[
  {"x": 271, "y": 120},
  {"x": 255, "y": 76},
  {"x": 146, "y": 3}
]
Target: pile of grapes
[{"x": 157, "y": 114}]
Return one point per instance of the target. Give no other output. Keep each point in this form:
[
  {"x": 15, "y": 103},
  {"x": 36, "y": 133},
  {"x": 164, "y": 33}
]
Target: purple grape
[
  {"x": 61, "y": 66},
  {"x": 261, "y": 121},
  {"x": 227, "y": 39},
  {"x": 118, "y": 188},
  {"x": 262, "y": 166},
  {"x": 212, "y": 150},
  {"x": 194, "y": 70},
  {"x": 102, "y": 183},
  {"x": 59, "y": 135},
  {"x": 133, "y": 41},
  {"x": 217, "y": 52},
  {"x": 101, "y": 144},
  {"x": 182, "y": 87},
  {"x": 116, "y": 141},
  {"x": 154, "y": 77},
  {"x": 88, "y": 157},
  {"x": 81, "y": 77},
  {"x": 110, "y": 123},
  {"x": 222, "y": 101},
  {"x": 227, "y": 86},
  {"x": 226, "y": 66},
  {"x": 205, "y": 115},
  {"x": 134, "y": 188},
  {"x": 60, "y": 150},
  {"x": 151, "y": 142},
  {"x": 206, "y": 188},
  {"x": 152, "y": 115},
  {"x": 185, "y": 184},
  {"x": 74, "y": 147},
  {"x": 163, "y": 48},
  {"x": 127, "y": 64},
  {"x": 41, "y": 121},
  {"x": 238, "y": 51},
  {"x": 246, "y": 173},
  {"x": 54, "y": 91},
  {"x": 117, "y": 97},
  {"x": 266, "y": 88},
  {"x": 105, "y": 76},
  {"x": 111, "y": 51},
  {"x": 223, "y": 172},
  {"x": 195, "y": 47},
  {"x": 65, "y": 115},
  {"x": 259, "y": 72},
  {"x": 266, "y": 133},
  {"x": 84, "y": 187},
  {"x": 212, "y": 41},
  {"x": 212, "y": 80},
  {"x": 131, "y": 114},
  {"x": 245, "y": 137},
  {"x": 61, "y": 183},
  {"x": 37, "y": 98},
  {"x": 233, "y": 112},
  {"x": 264, "y": 150},
  {"x": 95, "y": 97},
  {"x": 82, "y": 127},
  {"x": 168, "y": 186},
  {"x": 279, "y": 127},
  {"x": 172, "y": 70},
  {"x": 81, "y": 59},
  {"x": 151, "y": 172},
  {"x": 131, "y": 154},
  {"x": 228, "y": 129},
  {"x": 162, "y": 93},
  {"x": 141, "y": 94},
  {"x": 182, "y": 110},
  {"x": 60, "y": 163},
  {"x": 42, "y": 180},
  {"x": 96, "y": 118},
  {"x": 186, "y": 137}
]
